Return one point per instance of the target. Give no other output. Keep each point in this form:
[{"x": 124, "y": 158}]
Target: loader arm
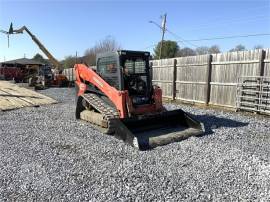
[{"x": 84, "y": 73}]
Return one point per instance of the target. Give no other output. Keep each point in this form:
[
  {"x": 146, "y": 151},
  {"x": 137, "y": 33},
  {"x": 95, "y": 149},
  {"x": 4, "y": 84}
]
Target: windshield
[{"x": 135, "y": 66}]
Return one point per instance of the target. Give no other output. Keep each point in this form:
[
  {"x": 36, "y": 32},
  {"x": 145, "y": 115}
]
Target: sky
[{"x": 67, "y": 26}]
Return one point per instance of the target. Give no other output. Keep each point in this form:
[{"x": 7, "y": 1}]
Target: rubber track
[{"x": 108, "y": 112}]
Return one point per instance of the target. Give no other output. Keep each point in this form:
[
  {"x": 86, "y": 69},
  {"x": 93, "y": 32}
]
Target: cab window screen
[
  {"x": 107, "y": 67},
  {"x": 135, "y": 66}
]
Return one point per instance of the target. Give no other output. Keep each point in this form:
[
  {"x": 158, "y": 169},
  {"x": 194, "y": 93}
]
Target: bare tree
[
  {"x": 90, "y": 56},
  {"x": 105, "y": 45},
  {"x": 69, "y": 61},
  {"x": 202, "y": 50},
  {"x": 239, "y": 47},
  {"x": 186, "y": 52},
  {"x": 214, "y": 49},
  {"x": 108, "y": 44}
]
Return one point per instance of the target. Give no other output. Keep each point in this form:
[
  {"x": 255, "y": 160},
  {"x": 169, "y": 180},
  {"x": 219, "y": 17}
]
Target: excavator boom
[{"x": 39, "y": 44}]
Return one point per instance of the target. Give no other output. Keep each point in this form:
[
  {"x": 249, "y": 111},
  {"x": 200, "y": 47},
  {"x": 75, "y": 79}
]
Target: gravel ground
[{"x": 48, "y": 155}]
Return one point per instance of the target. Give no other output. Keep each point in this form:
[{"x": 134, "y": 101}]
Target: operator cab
[{"x": 127, "y": 70}]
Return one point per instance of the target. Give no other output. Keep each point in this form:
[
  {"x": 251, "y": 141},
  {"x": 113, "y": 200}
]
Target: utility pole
[{"x": 163, "y": 32}]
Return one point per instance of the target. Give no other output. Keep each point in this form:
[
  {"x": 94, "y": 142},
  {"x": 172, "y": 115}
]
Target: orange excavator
[{"x": 118, "y": 98}]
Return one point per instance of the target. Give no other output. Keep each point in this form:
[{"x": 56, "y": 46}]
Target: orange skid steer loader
[{"x": 120, "y": 99}]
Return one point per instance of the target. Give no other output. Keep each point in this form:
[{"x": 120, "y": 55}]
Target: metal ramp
[{"x": 253, "y": 94}]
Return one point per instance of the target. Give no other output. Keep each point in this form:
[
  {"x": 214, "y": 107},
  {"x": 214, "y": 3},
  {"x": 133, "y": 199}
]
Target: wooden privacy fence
[
  {"x": 209, "y": 79},
  {"x": 178, "y": 79}
]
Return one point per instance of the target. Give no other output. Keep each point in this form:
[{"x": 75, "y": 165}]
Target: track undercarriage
[{"x": 98, "y": 112}]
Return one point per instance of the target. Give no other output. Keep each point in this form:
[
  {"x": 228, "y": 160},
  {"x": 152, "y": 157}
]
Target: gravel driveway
[{"x": 45, "y": 154}]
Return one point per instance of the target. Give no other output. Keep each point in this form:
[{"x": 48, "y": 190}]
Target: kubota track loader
[{"x": 120, "y": 99}]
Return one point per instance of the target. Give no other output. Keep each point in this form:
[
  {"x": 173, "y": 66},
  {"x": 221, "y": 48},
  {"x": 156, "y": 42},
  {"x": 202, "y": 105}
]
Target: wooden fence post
[
  {"x": 151, "y": 70},
  {"x": 261, "y": 62},
  {"x": 208, "y": 74},
  {"x": 174, "y": 79}
]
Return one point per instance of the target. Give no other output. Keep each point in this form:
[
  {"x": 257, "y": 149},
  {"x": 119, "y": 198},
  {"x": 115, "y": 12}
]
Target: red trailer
[{"x": 10, "y": 73}]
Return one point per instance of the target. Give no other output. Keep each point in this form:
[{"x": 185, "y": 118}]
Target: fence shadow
[{"x": 212, "y": 122}]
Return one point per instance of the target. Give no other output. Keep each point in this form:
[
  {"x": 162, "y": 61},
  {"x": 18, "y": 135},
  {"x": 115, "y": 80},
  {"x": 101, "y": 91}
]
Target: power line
[
  {"x": 219, "y": 38},
  {"x": 175, "y": 35},
  {"x": 181, "y": 39},
  {"x": 230, "y": 37}
]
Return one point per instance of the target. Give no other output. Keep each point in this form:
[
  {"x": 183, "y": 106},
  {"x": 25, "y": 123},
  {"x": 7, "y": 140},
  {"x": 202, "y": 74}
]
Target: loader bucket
[{"x": 159, "y": 129}]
